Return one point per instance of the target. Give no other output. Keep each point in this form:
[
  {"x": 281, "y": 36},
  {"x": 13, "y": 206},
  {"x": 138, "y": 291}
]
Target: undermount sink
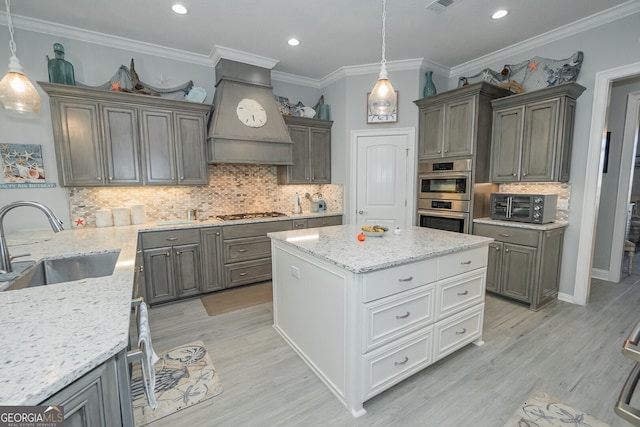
[{"x": 59, "y": 270}]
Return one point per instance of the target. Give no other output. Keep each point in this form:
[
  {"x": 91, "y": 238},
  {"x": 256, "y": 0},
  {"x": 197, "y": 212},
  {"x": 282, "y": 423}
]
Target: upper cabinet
[
  {"x": 532, "y": 135},
  {"x": 311, "y": 152},
  {"x": 105, "y": 138},
  {"x": 457, "y": 122}
]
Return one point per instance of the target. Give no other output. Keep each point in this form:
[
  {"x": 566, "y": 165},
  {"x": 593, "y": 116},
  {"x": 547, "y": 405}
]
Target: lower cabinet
[
  {"x": 211, "y": 240},
  {"x": 172, "y": 266},
  {"x": 93, "y": 400},
  {"x": 523, "y": 264}
]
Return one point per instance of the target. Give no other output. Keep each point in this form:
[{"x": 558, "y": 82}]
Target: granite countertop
[
  {"x": 339, "y": 245},
  {"x": 52, "y": 335},
  {"x": 515, "y": 224}
]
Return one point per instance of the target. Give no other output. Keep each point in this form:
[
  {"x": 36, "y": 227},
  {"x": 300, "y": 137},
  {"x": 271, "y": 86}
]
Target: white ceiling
[{"x": 333, "y": 33}]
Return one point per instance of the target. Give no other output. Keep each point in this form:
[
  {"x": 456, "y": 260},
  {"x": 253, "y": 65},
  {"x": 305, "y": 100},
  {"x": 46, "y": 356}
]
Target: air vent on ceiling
[{"x": 439, "y": 6}]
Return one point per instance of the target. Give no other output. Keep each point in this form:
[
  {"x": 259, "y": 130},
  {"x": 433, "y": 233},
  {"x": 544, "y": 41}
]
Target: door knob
[{"x": 361, "y": 212}]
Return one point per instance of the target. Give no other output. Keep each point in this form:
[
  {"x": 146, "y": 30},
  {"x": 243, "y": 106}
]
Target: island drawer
[
  {"x": 461, "y": 262},
  {"x": 246, "y": 249},
  {"x": 392, "y": 364},
  {"x": 460, "y": 292},
  {"x": 457, "y": 331},
  {"x": 254, "y": 229},
  {"x": 519, "y": 236},
  {"x": 389, "y": 318},
  {"x": 160, "y": 239},
  {"x": 242, "y": 273},
  {"x": 389, "y": 281}
]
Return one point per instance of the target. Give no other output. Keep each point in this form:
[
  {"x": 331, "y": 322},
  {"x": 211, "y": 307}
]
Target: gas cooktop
[{"x": 234, "y": 217}]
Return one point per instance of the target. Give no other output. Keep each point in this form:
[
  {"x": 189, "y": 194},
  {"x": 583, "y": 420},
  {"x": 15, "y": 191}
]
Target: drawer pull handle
[
  {"x": 465, "y": 262},
  {"x": 404, "y": 362},
  {"x": 504, "y": 234},
  {"x": 243, "y": 273},
  {"x": 404, "y": 316},
  {"x": 408, "y": 279},
  {"x": 171, "y": 239},
  {"x": 464, "y": 331},
  {"x": 242, "y": 250},
  {"x": 463, "y": 293}
]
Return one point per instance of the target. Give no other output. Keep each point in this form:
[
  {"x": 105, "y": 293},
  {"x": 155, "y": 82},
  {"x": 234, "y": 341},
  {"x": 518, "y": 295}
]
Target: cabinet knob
[
  {"x": 98, "y": 178},
  {"x": 178, "y": 252},
  {"x": 506, "y": 250},
  {"x": 514, "y": 174},
  {"x": 524, "y": 174},
  {"x": 182, "y": 178},
  {"x": 218, "y": 233},
  {"x": 168, "y": 254},
  {"x": 110, "y": 178},
  {"x": 446, "y": 151}
]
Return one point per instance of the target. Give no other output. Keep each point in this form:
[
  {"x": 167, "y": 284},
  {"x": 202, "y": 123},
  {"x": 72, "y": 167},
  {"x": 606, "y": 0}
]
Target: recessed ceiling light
[
  {"x": 293, "y": 42},
  {"x": 179, "y": 9},
  {"x": 499, "y": 14}
]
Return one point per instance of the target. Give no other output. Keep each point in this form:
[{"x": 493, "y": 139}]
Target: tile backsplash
[
  {"x": 231, "y": 189},
  {"x": 562, "y": 189}
]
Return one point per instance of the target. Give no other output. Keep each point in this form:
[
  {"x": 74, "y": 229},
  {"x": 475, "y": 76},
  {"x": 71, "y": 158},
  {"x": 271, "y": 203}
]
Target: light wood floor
[{"x": 568, "y": 351}]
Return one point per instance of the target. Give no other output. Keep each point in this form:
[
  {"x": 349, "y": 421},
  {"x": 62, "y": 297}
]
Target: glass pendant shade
[
  {"x": 383, "y": 99},
  {"x": 16, "y": 90}
]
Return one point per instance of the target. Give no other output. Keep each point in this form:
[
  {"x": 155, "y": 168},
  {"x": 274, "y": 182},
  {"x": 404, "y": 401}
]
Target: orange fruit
[{"x": 361, "y": 237}]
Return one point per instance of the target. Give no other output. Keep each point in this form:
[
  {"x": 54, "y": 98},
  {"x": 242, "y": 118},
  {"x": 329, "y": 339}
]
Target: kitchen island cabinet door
[
  {"x": 494, "y": 266},
  {"x": 76, "y": 129},
  {"x": 159, "y": 148},
  {"x": 211, "y": 241},
  {"x": 159, "y": 275},
  {"x": 191, "y": 145},
  {"x": 122, "y": 144}
]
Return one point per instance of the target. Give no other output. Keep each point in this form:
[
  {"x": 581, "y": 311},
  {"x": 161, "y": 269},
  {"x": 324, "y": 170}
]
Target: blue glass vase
[{"x": 429, "y": 87}]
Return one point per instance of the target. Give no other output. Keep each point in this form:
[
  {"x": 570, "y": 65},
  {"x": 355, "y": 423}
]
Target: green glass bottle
[{"x": 60, "y": 70}]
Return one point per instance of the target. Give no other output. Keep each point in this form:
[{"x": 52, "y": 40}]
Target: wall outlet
[{"x": 295, "y": 272}]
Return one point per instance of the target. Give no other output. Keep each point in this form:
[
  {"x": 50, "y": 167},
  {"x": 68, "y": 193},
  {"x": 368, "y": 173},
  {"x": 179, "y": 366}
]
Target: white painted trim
[
  {"x": 410, "y": 186},
  {"x": 592, "y": 182},
  {"x": 600, "y": 274},
  {"x": 356, "y": 70},
  {"x": 296, "y": 80},
  {"x": 625, "y": 180},
  {"x": 566, "y": 298},
  {"x": 220, "y": 52},
  {"x": 617, "y": 12}
]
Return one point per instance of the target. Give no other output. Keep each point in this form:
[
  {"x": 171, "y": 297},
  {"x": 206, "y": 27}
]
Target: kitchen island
[{"x": 366, "y": 315}]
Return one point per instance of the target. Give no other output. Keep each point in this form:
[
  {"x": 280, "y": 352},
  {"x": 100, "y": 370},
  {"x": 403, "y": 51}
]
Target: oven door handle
[
  {"x": 509, "y": 199},
  {"x": 623, "y": 408}
]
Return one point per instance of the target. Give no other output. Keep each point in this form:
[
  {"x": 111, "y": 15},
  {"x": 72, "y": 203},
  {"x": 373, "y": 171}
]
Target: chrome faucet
[{"x": 5, "y": 258}]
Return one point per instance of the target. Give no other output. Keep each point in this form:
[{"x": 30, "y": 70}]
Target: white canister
[
  {"x": 137, "y": 214},
  {"x": 121, "y": 216},
  {"x": 104, "y": 218}
]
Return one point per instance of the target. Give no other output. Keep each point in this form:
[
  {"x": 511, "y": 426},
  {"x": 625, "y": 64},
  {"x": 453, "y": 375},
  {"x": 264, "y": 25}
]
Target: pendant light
[
  {"x": 16, "y": 91},
  {"x": 383, "y": 99}
]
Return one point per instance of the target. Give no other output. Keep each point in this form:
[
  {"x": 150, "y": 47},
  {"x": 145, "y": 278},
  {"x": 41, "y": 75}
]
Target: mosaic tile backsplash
[
  {"x": 562, "y": 189},
  {"x": 231, "y": 189}
]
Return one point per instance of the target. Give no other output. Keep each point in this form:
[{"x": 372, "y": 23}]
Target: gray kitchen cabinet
[
  {"x": 108, "y": 138},
  {"x": 93, "y": 400},
  {"x": 324, "y": 221},
  {"x": 532, "y": 135},
  {"x": 246, "y": 251},
  {"x": 211, "y": 240},
  {"x": 457, "y": 122},
  {"x": 523, "y": 264},
  {"x": 172, "y": 266},
  {"x": 311, "y": 152}
]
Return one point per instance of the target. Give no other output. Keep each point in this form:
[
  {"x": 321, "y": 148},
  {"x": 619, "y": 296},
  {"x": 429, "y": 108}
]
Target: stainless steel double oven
[{"x": 444, "y": 195}]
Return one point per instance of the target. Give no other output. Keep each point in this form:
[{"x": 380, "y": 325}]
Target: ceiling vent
[{"x": 439, "y": 6}]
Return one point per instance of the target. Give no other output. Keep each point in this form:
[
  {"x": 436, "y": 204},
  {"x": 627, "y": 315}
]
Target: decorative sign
[{"x": 22, "y": 166}]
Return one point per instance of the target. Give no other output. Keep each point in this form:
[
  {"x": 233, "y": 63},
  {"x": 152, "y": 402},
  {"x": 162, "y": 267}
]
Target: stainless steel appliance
[
  {"x": 238, "y": 216},
  {"x": 625, "y": 406},
  {"x": 444, "y": 195},
  {"x": 533, "y": 208}
]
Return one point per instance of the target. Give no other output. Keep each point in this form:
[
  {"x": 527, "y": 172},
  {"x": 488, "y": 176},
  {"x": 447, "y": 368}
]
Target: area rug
[
  {"x": 185, "y": 376},
  {"x": 237, "y": 298},
  {"x": 542, "y": 410}
]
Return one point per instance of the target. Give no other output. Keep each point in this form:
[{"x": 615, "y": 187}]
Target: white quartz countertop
[
  {"x": 52, "y": 335},
  {"x": 515, "y": 224},
  {"x": 339, "y": 245}
]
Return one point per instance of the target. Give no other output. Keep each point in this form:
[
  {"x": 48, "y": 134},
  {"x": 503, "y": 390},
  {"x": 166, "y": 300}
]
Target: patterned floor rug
[
  {"x": 185, "y": 376},
  {"x": 542, "y": 410}
]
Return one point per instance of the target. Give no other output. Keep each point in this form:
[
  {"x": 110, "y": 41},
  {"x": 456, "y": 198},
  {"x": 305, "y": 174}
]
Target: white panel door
[{"x": 382, "y": 172}]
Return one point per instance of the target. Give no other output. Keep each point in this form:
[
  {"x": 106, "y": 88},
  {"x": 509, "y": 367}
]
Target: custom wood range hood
[{"x": 246, "y": 125}]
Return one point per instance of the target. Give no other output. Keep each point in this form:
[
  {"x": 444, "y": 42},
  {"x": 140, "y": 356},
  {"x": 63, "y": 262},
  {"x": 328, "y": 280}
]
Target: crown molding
[
  {"x": 356, "y": 70},
  {"x": 220, "y": 52},
  {"x": 50, "y": 28},
  {"x": 613, "y": 14},
  {"x": 295, "y": 79}
]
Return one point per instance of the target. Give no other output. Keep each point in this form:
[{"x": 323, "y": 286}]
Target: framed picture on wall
[{"x": 381, "y": 118}]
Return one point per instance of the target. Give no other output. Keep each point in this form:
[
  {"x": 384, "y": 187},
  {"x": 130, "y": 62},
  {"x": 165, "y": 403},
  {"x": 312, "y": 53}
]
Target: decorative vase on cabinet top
[{"x": 429, "y": 87}]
